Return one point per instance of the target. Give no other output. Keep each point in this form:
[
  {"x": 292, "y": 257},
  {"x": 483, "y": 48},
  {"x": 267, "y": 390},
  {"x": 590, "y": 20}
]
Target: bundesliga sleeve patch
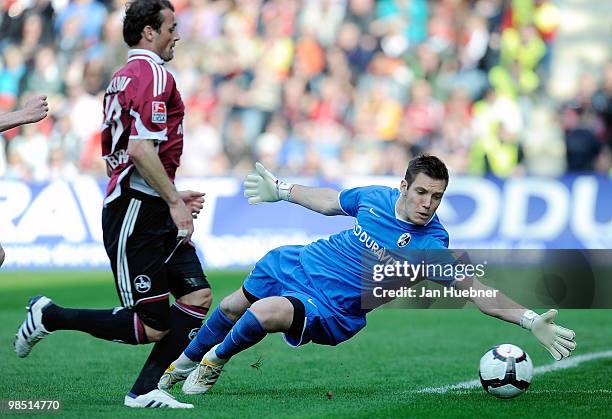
[{"x": 158, "y": 112}]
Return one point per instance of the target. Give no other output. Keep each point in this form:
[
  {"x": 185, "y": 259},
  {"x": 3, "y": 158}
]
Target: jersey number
[{"x": 112, "y": 110}]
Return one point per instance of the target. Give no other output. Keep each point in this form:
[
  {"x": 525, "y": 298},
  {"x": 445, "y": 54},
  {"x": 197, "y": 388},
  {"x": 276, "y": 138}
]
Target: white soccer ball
[{"x": 505, "y": 371}]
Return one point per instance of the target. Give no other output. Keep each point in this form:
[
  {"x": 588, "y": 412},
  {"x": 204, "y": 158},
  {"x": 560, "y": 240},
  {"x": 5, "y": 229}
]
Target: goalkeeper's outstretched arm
[
  {"x": 322, "y": 200},
  {"x": 558, "y": 341},
  {"x": 263, "y": 186}
]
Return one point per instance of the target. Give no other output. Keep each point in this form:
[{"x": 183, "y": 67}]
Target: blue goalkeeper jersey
[{"x": 336, "y": 265}]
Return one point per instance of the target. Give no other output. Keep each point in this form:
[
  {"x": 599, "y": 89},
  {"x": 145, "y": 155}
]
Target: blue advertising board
[{"x": 58, "y": 224}]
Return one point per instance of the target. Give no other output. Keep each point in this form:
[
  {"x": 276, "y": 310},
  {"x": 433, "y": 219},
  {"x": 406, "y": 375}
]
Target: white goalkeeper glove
[
  {"x": 263, "y": 186},
  {"x": 557, "y": 340}
]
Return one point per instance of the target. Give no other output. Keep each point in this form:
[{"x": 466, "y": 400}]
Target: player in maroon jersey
[{"x": 147, "y": 223}]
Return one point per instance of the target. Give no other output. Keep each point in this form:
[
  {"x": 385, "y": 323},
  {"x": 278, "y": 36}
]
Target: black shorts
[{"x": 139, "y": 235}]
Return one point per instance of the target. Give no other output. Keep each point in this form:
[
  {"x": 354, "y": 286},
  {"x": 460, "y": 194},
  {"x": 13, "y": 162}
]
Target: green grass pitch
[{"x": 376, "y": 374}]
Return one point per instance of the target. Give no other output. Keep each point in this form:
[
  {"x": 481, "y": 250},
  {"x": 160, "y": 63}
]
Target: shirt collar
[{"x": 139, "y": 52}]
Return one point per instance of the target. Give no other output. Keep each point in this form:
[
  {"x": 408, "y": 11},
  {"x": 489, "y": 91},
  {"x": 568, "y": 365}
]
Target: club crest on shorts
[
  {"x": 158, "y": 112},
  {"x": 142, "y": 283},
  {"x": 403, "y": 240},
  {"x": 193, "y": 333}
]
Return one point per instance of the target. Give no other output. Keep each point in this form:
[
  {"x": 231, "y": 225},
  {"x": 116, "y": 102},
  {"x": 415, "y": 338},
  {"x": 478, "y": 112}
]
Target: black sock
[
  {"x": 118, "y": 324},
  {"x": 183, "y": 320}
]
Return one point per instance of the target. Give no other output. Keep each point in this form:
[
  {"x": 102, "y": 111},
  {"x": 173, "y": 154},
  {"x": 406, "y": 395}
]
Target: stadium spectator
[
  {"x": 16, "y": 168},
  {"x": 602, "y": 102},
  {"x": 267, "y": 57},
  {"x": 322, "y": 18},
  {"x": 496, "y": 148},
  {"x": 59, "y": 167},
  {"x": 85, "y": 18},
  {"x": 63, "y": 136},
  {"x": 584, "y": 127},
  {"x": 582, "y": 145},
  {"x": 202, "y": 144},
  {"x": 546, "y": 19},
  {"x": 33, "y": 148},
  {"x": 424, "y": 112},
  {"x": 46, "y": 76},
  {"x": 11, "y": 74}
]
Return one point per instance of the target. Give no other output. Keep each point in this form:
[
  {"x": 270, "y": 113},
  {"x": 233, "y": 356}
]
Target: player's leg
[
  {"x": 147, "y": 249},
  {"x": 213, "y": 331},
  {"x": 218, "y": 324},
  {"x": 183, "y": 325},
  {"x": 260, "y": 283},
  {"x": 119, "y": 324},
  {"x": 193, "y": 298},
  {"x": 268, "y": 315}
]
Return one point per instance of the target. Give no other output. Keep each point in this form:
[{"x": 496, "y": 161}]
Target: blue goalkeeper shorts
[{"x": 280, "y": 274}]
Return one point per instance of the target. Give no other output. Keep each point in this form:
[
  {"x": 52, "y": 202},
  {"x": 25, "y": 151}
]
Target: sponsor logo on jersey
[
  {"x": 116, "y": 159},
  {"x": 142, "y": 283},
  {"x": 403, "y": 240},
  {"x": 158, "y": 112},
  {"x": 379, "y": 251}
]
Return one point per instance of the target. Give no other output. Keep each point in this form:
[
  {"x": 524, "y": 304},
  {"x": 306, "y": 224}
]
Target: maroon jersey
[{"x": 141, "y": 103}]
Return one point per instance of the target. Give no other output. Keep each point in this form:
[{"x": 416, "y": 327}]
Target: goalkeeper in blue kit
[{"x": 313, "y": 292}]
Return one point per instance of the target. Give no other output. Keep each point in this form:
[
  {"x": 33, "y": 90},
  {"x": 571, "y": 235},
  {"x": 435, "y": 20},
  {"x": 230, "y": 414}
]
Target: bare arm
[
  {"x": 321, "y": 200},
  {"x": 33, "y": 111},
  {"x": 501, "y": 306},
  {"x": 12, "y": 120},
  {"x": 149, "y": 166}
]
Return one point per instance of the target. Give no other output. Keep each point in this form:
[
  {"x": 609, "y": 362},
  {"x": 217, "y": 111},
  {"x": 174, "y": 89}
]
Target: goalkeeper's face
[{"x": 419, "y": 201}]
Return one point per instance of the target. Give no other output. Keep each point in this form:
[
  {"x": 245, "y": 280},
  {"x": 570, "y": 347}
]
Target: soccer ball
[{"x": 505, "y": 371}]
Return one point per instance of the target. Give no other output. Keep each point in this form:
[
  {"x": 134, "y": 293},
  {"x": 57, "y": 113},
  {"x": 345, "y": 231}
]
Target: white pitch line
[
  {"x": 595, "y": 391},
  {"x": 570, "y": 362}
]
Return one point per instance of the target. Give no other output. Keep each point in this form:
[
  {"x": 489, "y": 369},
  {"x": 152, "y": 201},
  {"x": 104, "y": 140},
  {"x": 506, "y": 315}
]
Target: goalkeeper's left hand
[
  {"x": 557, "y": 340},
  {"x": 263, "y": 186}
]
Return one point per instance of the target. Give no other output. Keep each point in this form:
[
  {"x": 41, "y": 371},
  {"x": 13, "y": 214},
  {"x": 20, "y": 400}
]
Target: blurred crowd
[{"x": 314, "y": 87}]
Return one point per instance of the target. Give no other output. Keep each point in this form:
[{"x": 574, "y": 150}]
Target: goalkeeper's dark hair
[
  {"x": 141, "y": 13},
  {"x": 428, "y": 165}
]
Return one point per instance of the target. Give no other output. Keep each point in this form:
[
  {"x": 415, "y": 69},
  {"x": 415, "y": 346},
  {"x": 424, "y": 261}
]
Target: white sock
[
  {"x": 212, "y": 357},
  {"x": 183, "y": 362}
]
